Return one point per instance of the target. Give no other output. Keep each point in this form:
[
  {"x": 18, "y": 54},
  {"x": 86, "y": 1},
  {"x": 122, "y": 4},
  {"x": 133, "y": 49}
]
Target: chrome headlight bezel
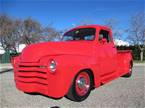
[{"x": 52, "y": 65}]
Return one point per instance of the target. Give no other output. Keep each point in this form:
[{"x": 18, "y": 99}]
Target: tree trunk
[{"x": 141, "y": 55}]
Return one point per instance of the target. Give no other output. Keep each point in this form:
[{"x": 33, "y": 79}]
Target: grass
[{"x": 137, "y": 61}]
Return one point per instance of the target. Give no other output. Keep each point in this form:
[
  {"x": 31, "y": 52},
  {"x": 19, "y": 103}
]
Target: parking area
[{"x": 120, "y": 93}]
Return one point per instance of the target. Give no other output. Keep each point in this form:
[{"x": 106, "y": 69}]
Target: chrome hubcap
[{"x": 82, "y": 83}]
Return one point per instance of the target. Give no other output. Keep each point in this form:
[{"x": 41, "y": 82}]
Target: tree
[
  {"x": 15, "y": 32},
  {"x": 137, "y": 31},
  {"x": 50, "y": 34},
  {"x": 113, "y": 23},
  {"x": 7, "y": 33},
  {"x": 30, "y": 31}
]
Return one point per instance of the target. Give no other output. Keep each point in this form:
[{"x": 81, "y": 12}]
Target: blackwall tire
[
  {"x": 129, "y": 73},
  {"x": 81, "y": 87}
]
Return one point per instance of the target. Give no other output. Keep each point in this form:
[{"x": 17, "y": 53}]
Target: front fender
[{"x": 67, "y": 68}]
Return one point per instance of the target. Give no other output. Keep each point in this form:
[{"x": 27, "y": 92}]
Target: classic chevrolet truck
[{"x": 84, "y": 59}]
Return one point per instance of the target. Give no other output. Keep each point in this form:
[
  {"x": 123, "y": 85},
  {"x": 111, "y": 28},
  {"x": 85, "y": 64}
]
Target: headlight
[{"x": 52, "y": 66}]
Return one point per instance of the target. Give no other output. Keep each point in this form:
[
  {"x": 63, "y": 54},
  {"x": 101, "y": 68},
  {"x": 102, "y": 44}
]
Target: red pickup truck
[{"x": 86, "y": 58}]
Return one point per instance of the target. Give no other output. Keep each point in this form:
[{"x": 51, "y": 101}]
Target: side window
[{"x": 103, "y": 34}]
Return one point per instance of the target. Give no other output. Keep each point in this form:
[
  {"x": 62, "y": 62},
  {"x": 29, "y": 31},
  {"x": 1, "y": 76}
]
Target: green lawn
[{"x": 137, "y": 61}]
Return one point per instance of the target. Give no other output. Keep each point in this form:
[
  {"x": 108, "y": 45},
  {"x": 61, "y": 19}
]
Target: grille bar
[
  {"x": 32, "y": 79},
  {"x": 34, "y": 82},
  {"x": 31, "y": 69},
  {"x": 32, "y": 74}
]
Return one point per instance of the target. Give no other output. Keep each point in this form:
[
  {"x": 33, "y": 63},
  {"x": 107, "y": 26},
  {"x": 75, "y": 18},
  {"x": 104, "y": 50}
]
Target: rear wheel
[
  {"x": 81, "y": 87},
  {"x": 129, "y": 73}
]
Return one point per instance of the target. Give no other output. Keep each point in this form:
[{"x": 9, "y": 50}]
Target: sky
[{"x": 66, "y": 13}]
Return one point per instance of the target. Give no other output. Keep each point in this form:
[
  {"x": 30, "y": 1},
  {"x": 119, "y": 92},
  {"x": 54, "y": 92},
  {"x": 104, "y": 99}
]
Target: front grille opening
[
  {"x": 32, "y": 73},
  {"x": 28, "y": 66}
]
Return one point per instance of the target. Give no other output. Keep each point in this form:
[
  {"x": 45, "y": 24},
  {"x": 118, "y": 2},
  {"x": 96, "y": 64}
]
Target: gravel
[{"x": 120, "y": 93}]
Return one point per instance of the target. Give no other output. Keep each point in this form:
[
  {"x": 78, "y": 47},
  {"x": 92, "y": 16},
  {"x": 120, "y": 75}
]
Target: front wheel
[{"x": 81, "y": 87}]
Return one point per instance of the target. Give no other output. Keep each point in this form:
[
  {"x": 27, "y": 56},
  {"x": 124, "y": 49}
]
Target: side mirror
[{"x": 104, "y": 40}]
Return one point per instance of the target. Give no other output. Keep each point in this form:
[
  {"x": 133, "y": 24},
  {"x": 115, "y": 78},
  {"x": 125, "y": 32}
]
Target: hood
[{"x": 34, "y": 52}]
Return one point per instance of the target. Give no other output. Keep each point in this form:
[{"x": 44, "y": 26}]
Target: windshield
[{"x": 79, "y": 34}]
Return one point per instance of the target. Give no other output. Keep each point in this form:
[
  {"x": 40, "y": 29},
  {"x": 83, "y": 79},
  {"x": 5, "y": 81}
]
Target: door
[{"x": 107, "y": 53}]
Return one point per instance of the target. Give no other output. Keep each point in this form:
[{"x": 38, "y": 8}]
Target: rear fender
[{"x": 124, "y": 59}]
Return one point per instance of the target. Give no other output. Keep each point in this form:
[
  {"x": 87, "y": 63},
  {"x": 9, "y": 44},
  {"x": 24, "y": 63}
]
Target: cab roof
[{"x": 93, "y": 26}]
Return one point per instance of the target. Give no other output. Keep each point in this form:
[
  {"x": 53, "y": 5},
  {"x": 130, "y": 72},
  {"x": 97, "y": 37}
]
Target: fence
[
  {"x": 135, "y": 51},
  {"x": 5, "y": 58}
]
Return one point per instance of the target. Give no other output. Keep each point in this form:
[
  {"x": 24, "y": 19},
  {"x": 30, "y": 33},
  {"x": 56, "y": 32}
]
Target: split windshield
[{"x": 79, "y": 34}]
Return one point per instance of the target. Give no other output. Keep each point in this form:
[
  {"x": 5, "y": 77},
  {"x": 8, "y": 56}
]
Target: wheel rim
[{"x": 82, "y": 84}]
